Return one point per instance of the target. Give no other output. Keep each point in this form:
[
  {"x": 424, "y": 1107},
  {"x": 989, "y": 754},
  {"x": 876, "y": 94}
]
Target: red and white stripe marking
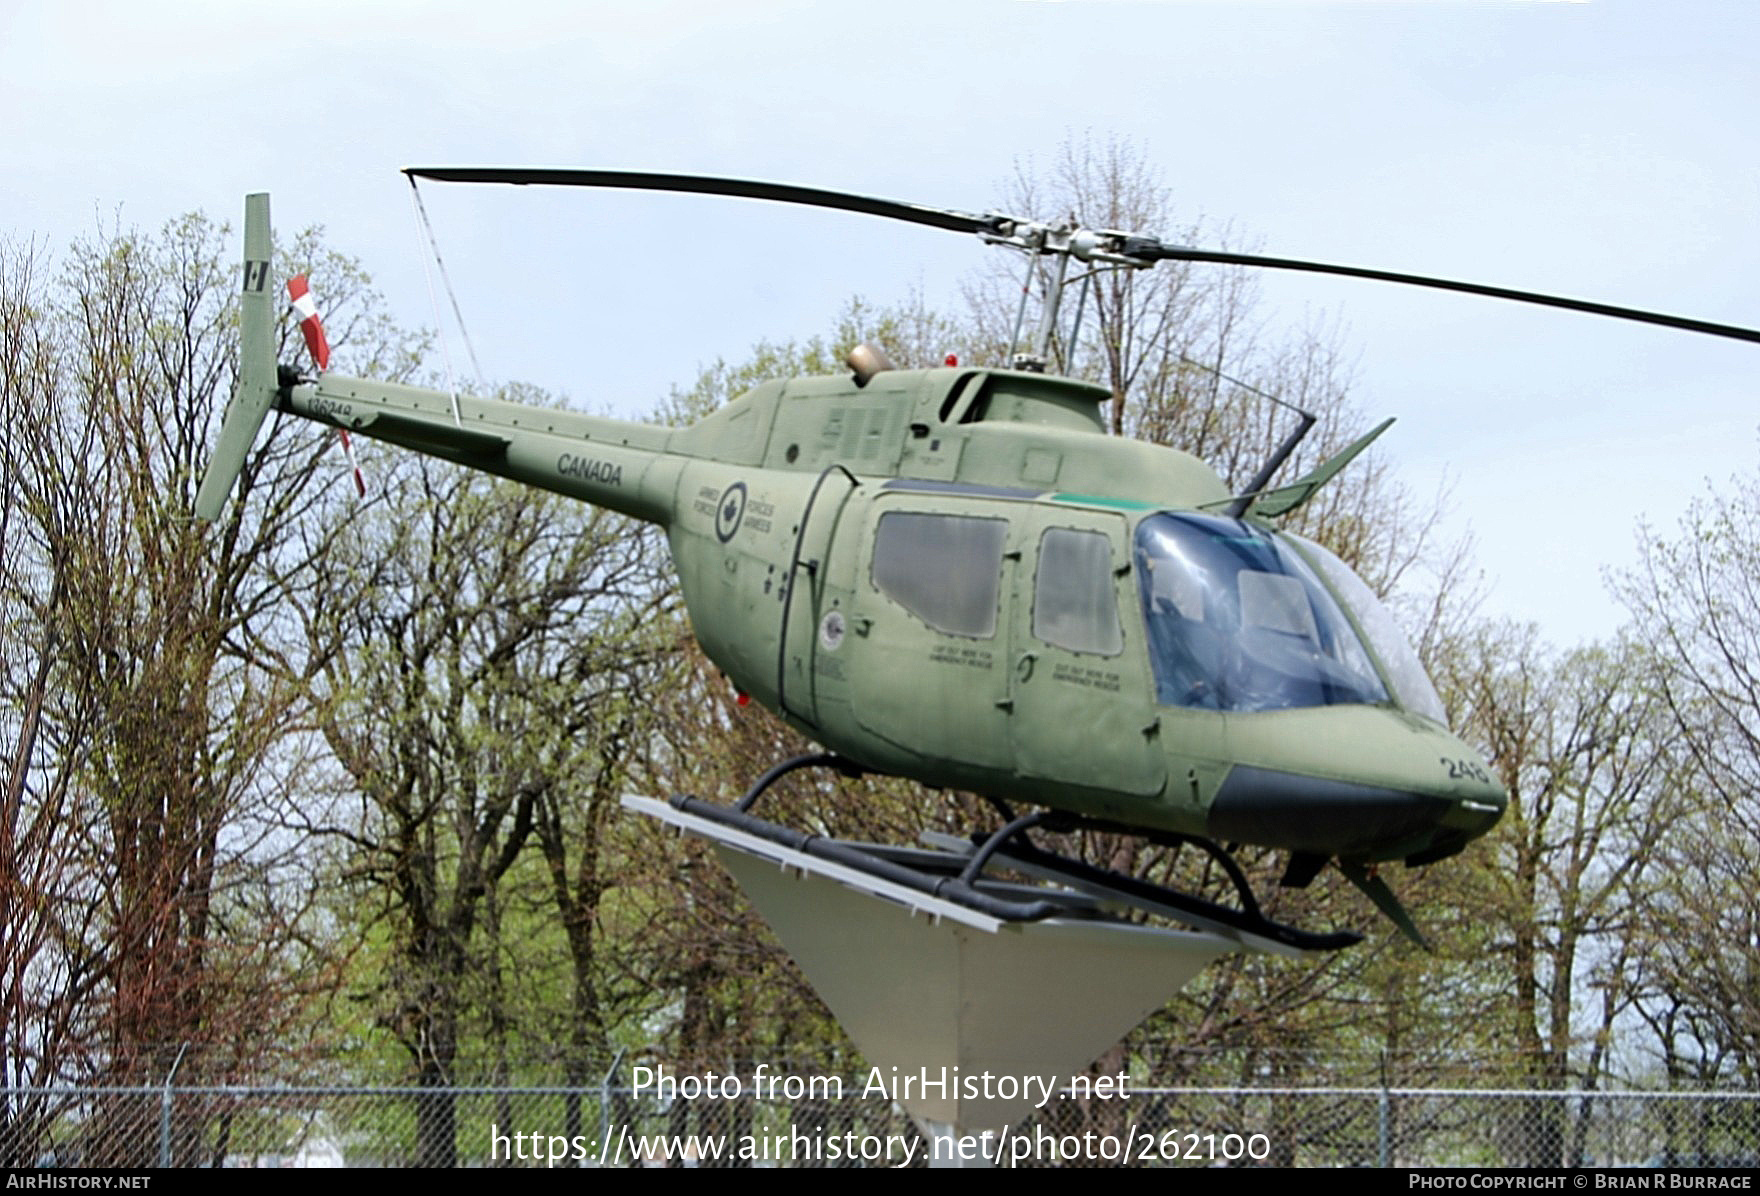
[
  {"x": 312, "y": 328},
  {"x": 360, "y": 481},
  {"x": 309, "y": 324}
]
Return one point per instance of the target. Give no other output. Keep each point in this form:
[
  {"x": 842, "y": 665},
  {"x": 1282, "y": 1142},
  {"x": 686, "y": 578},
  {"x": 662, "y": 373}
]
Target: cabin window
[
  {"x": 1073, "y": 602},
  {"x": 945, "y": 569}
]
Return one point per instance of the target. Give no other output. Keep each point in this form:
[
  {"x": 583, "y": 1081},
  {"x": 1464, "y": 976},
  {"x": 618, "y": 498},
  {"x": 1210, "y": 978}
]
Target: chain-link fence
[{"x": 828, "y": 1122}]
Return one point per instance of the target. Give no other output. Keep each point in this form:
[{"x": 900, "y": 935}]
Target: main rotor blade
[
  {"x": 1143, "y": 249},
  {"x": 1161, "y": 251},
  {"x": 959, "y": 222}
]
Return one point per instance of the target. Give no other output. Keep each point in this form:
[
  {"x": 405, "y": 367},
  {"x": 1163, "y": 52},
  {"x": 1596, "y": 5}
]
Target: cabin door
[
  {"x": 1083, "y": 710},
  {"x": 930, "y": 627}
]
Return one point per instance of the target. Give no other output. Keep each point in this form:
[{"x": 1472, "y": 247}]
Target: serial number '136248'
[{"x": 605, "y": 473}]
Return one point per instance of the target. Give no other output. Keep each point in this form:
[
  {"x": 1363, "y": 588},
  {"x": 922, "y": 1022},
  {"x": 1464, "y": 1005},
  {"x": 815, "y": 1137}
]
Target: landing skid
[{"x": 949, "y": 873}]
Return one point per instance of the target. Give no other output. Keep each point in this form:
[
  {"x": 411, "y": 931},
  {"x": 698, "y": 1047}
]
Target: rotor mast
[{"x": 1063, "y": 241}]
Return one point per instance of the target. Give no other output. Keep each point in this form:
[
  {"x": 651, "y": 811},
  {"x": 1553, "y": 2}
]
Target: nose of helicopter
[{"x": 1362, "y": 783}]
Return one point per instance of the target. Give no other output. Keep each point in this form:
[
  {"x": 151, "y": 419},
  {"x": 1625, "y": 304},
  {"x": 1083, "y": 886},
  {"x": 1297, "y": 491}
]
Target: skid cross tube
[
  {"x": 957, "y": 877},
  {"x": 844, "y": 767}
]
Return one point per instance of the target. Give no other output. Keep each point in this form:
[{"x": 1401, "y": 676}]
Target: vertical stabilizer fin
[{"x": 257, "y": 377}]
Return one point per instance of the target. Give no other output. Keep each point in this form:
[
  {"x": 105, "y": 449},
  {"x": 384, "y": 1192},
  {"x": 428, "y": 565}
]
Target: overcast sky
[{"x": 1607, "y": 150}]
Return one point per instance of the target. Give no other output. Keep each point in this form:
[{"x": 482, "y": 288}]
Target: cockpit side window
[
  {"x": 944, "y": 569},
  {"x": 1404, "y": 671},
  {"x": 1074, "y": 604}
]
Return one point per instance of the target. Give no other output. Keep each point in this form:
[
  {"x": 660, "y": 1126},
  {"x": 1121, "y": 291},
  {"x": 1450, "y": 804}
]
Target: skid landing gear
[{"x": 951, "y": 870}]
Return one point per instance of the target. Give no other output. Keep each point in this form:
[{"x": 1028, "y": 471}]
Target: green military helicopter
[{"x": 957, "y": 576}]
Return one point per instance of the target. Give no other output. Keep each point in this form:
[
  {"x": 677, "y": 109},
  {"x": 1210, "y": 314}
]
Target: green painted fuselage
[{"x": 942, "y": 575}]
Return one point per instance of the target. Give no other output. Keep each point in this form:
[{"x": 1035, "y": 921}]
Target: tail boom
[{"x": 624, "y": 467}]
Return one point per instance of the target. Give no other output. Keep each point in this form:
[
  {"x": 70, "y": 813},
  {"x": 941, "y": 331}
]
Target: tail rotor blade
[
  {"x": 311, "y": 326},
  {"x": 299, "y": 291}
]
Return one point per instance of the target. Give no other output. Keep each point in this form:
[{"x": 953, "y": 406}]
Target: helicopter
[{"x": 957, "y": 576}]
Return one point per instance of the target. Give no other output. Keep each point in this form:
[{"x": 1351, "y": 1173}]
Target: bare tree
[
  {"x": 148, "y": 903},
  {"x": 1583, "y": 743},
  {"x": 484, "y": 650},
  {"x": 1696, "y": 601}
]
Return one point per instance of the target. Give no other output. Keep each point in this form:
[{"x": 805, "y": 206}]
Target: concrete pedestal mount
[{"x": 935, "y": 995}]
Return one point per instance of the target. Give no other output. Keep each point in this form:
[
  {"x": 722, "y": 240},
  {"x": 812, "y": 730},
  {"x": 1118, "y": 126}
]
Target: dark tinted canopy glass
[{"x": 1238, "y": 621}]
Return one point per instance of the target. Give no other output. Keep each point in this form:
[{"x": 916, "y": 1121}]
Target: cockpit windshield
[{"x": 1239, "y": 621}]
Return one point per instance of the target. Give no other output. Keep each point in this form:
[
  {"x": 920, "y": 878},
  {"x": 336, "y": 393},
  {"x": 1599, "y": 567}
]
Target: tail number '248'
[{"x": 1464, "y": 770}]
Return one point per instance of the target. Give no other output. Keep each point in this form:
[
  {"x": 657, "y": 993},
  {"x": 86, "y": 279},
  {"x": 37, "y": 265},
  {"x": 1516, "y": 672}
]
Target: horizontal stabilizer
[{"x": 468, "y": 446}]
